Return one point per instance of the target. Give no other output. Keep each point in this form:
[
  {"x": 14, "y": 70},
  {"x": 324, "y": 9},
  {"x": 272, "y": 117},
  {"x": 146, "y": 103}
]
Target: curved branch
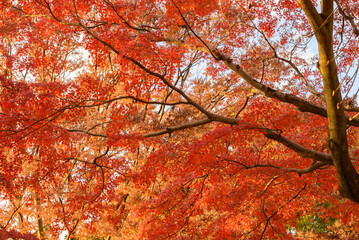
[
  {"x": 123, "y": 19},
  {"x": 322, "y": 158},
  {"x": 268, "y": 218},
  {"x": 244, "y": 104},
  {"x": 164, "y": 80},
  {"x": 301, "y": 104},
  {"x": 300, "y": 150},
  {"x": 310, "y": 88},
  {"x": 348, "y": 17},
  {"x": 194, "y": 33},
  {"x": 211, "y": 116},
  {"x": 311, "y": 168},
  {"x": 102, "y": 102}
]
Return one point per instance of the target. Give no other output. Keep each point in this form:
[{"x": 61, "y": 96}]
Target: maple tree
[{"x": 213, "y": 119}]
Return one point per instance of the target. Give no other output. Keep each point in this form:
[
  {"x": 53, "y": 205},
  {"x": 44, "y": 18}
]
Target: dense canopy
[{"x": 178, "y": 119}]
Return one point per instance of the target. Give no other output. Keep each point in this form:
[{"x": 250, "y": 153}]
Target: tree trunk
[{"x": 322, "y": 24}]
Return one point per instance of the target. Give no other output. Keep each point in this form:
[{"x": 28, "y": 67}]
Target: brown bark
[
  {"x": 322, "y": 24},
  {"x": 40, "y": 225}
]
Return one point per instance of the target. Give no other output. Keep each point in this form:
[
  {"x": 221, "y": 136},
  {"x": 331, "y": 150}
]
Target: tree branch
[
  {"x": 313, "y": 16},
  {"x": 301, "y": 104},
  {"x": 348, "y": 17},
  {"x": 87, "y": 132},
  {"x": 211, "y": 116},
  {"x": 123, "y": 19},
  {"x": 169, "y": 130},
  {"x": 311, "y": 168},
  {"x": 102, "y": 102},
  {"x": 300, "y": 150},
  {"x": 310, "y": 88},
  {"x": 194, "y": 33}
]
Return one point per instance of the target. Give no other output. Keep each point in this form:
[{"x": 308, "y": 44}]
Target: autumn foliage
[{"x": 178, "y": 119}]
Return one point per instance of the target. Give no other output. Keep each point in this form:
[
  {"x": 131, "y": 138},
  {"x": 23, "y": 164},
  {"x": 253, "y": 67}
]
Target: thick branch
[
  {"x": 323, "y": 158},
  {"x": 352, "y": 109},
  {"x": 300, "y": 150},
  {"x": 301, "y": 104},
  {"x": 313, "y": 16}
]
